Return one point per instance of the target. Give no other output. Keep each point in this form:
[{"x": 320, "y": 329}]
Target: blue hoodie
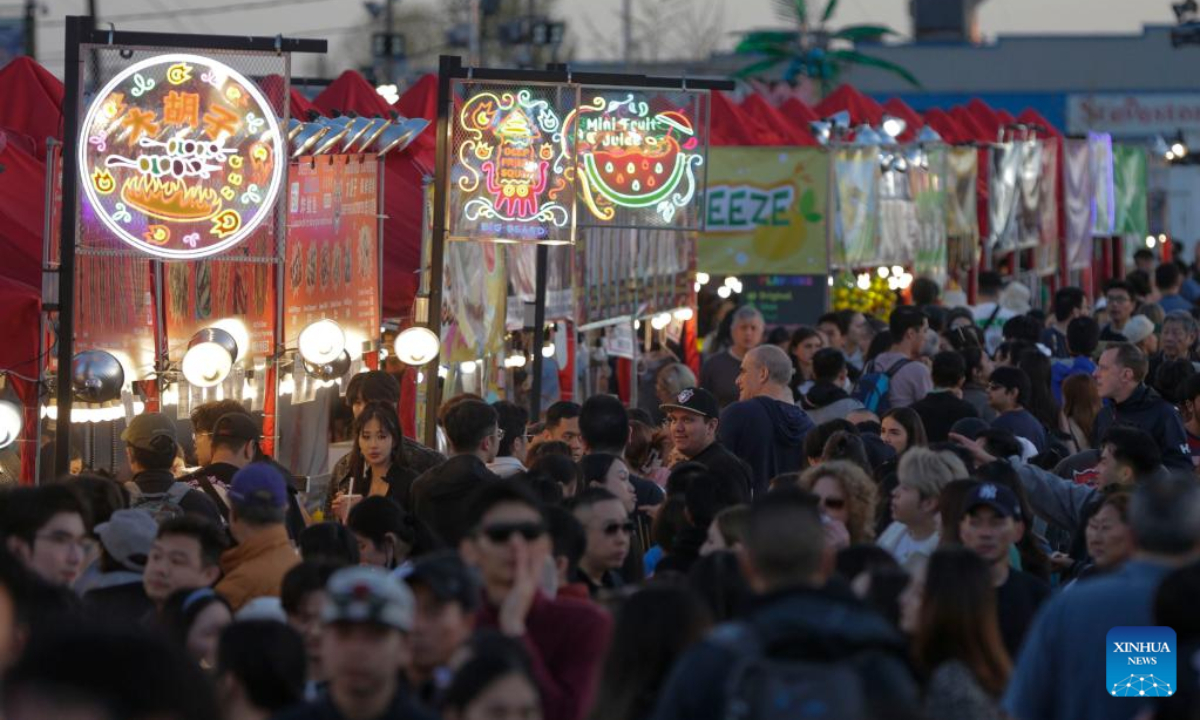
[{"x": 768, "y": 434}]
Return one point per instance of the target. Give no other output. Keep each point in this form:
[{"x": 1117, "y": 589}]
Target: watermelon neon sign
[{"x": 630, "y": 156}]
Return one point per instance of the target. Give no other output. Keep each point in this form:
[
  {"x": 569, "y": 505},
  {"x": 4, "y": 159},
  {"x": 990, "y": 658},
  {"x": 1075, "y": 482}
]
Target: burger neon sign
[{"x": 181, "y": 156}]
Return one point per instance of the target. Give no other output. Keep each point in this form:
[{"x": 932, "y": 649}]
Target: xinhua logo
[{"x": 1141, "y": 662}]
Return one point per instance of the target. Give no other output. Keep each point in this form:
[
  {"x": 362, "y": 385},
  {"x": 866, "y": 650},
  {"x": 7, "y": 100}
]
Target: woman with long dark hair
[
  {"x": 378, "y": 464},
  {"x": 903, "y": 429},
  {"x": 979, "y": 369},
  {"x": 949, "y": 610},
  {"x": 653, "y": 629},
  {"x": 1081, "y": 405},
  {"x": 1041, "y": 403},
  {"x": 805, "y": 343}
]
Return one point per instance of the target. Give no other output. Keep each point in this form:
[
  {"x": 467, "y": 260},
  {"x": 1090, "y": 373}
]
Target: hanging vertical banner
[
  {"x": 475, "y": 290},
  {"x": 1005, "y": 164},
  {"x": 114, "y": 309},
  {"x": 1046, "y": 253},
  {"x": 1030, "y": 179},
  {"x": 765, "y": 211},
  {"x": 622, "y": 272},
  {"x": 510, "y": 167},
  {"x": 333, "y": 248},
  {"x": 856, "y": 227},
  {"x": 640, "y": 156},
  {"x": 1103, "y": 198},
  {"x": 1079, "y": 193},
  {"x": 236, "y": 295},
  {"x": 962, "y": 219},
  {"x": 928, "y": 187},
  {"x": 1129, "y": 184},
  {"x": 898, "y": 231},
  {"x": 521, "y": 262}
]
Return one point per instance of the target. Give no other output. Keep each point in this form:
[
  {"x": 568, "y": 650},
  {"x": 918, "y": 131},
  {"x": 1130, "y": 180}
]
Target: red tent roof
[
  {"x": 789, "y": 131},
  {"x": 795, "y": 110},
  {"x": 971, "y": 129},
  {"x": 32, "y": 101},
  {"x": 862, "y": 108},
  {"x": 1029, "y": 116},
  {"x": 22, "y": 215},
  {"x": 420, "y": 101},
  {"x": 351, "y": 93},
  {"x": 727, "y": 126},
  {"x": 985, "y": 118},
  {"x": 298, "y": 106},
  {"x": 945, "y": 126}
]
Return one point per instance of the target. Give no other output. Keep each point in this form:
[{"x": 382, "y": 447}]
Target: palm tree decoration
[{"x": 812, "y": 52}]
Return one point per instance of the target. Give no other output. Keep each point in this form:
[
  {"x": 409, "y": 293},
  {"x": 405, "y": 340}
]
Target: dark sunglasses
[
  {"x": 502, "y": 532},
  {"x": 833, "y": 503},
  {"x": 613, "y": 528}
]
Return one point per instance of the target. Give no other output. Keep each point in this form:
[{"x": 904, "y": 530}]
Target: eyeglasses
[
  {"x": 613, "y": 528},
  {"x": 833, "y": 503},
  {"x": 85, "y": 544},
  {"x": 499, "y": 433},
  {"x": 502, "y": 532}
]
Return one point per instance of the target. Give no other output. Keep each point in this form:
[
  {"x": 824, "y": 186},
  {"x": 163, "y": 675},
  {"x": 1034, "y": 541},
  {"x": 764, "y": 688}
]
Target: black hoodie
[{"x": 1147, "y": 411}]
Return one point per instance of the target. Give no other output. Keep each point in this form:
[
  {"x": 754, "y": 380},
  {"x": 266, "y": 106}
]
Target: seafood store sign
[{"x": 181, "y": 157}]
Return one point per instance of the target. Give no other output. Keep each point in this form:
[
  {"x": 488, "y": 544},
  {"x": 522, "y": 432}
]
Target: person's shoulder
[
  {"x": 1028, "y": 583},
  {"x": 566, "y": 613}
]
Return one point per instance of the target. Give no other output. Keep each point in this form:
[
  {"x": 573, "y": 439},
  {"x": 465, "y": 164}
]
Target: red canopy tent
[
  {"x": 32, "y": 101},
  {"x": 945, "y": 126},
  {"x": 796, "y": 111},
  {"x": 19, "y": 326},
  {"x": 298, "y": 105},
  {"x": 351, "y": 92},
  {"x": 862, "y": 108},
  {"x": 789, "y": 131},
  {"x": 22, "y": 214},
  {"x": 727, "y": 124}
]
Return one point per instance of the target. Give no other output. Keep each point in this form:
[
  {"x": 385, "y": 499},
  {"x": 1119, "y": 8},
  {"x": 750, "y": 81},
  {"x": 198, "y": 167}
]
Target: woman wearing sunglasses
[
  {"x": 847, "y": 495},
  {"x": 609, "y": 532}
]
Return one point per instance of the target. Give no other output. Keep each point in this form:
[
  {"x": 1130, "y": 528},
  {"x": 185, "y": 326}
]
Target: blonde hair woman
[{"x": 847, "y": 495}]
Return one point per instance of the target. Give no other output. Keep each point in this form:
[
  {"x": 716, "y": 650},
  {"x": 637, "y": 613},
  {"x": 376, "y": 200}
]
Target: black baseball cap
[
  {"x": 448, "y": 578},
  {"x": 997, "y": 497},
  {"x": 695, "y": 400},
  {"x": 236, "y": 426}
]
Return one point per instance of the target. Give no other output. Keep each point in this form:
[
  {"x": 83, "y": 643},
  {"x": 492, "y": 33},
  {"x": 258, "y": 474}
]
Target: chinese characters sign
[
  {"x": 507, "y": 183},
  {"x": 522, "y": 155},
  {"x": 181, "y": 156},
  {"x": 638, "y": 157}
]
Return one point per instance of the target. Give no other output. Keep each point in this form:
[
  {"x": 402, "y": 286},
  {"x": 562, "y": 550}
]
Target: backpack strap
[
  {"x": 991, "y": 318},
  {"x": 891, "y": 372},
  {"x": 177, "y": 492},
  {"x": 211, "y": 492}
]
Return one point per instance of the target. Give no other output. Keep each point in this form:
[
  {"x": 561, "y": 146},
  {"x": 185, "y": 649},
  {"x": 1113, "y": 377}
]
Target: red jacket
[{"x": 566, "y": 640}]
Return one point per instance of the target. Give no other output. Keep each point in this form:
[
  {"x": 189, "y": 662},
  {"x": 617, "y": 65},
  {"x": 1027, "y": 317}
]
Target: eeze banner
[
  {"x": 765, "y": 212},
  {"x": 333, "y": 248}
]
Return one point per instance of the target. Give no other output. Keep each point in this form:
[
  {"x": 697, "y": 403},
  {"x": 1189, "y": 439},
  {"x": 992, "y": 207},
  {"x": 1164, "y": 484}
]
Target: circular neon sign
[{"x": 181, "y": 156}]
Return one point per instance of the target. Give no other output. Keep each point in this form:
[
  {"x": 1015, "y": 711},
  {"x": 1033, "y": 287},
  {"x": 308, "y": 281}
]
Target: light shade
[
  {"x": 417, "y": 345},
  {"x": 303, "y": 141},
  {"x": 209, "y": 357},
  {"x": 11, "y": 422},
  {"x": 322, "y": 342},
  {"x": 96, "y": 376},
  {"x": 331, "y": 370}
]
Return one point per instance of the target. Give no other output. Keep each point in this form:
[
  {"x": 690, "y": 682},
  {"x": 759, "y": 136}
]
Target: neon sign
[
  {"x": 632, "y": 156},
  {"x": 181, "y": 156},
  {"x": 505, "y": 166}
]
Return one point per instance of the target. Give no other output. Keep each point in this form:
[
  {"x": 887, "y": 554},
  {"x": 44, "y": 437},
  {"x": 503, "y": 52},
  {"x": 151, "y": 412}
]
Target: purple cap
[{"x": 260, "y": 485}]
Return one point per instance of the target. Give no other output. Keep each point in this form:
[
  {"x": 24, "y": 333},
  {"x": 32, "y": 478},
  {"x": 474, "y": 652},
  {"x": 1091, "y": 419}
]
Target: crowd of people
[{"x": 940, "y": 515}]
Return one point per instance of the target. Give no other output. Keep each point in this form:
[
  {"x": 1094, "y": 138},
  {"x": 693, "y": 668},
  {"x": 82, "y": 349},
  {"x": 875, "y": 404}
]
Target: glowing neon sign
[
  {"x": 632, "y": 156},
  {"x": 505, "y": 166},
  {"x": 181, "y": 156}
]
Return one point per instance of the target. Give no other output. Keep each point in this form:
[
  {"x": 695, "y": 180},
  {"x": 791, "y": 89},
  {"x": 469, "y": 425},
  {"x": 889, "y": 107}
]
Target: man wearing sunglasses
[
  {"x": 510, "y": 547},
  {"x": 608, "y": 530}
]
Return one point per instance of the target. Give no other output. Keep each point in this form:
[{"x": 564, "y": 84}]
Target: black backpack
[{"x": 763, "y": 687}]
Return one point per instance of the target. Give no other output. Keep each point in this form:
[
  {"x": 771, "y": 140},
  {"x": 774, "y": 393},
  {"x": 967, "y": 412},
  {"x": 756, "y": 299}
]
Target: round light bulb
[
  {"x": 417, "y": 345},
  {"x": 467, "y": 368},
  {"x": 702, "y": 278},
  {"x": 660, "y": 321},
  {"x": 11, "y": 422},
  {"x": 696, "y": 286},
  {"x": 1151, "y": 241},
  {"x": 883, "y": 272},
  {"x": 548, "y": 350},
  {"x": 322, "y": 342},
  {"x": 724, "y": 292},
  {"x": 684, "y": 314},
  {"x": 731, "y": 281},
  {"x": 864, "y": 282}
]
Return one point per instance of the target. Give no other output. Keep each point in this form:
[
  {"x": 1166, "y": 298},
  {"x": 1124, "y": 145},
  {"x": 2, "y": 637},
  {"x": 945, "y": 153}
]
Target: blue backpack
[{"x": 873, "y": 388}]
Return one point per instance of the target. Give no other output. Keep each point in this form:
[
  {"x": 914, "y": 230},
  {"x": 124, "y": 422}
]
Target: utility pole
[
  {"x": 532, "y": 12},
  {"x": 475, "y": 52},
  {"x": 31, "y": 28},
  {"x": 388, "y": 15},
  {"x": 627, "y": 32}
]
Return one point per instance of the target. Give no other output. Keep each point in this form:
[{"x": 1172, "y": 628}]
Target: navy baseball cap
[
  {"x": 997, "y": 497},
  {"x": 259, "y": 484}
]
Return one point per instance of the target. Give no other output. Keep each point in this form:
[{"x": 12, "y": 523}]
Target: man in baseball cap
[
  {"x": 693, "y": 419},
  {"x": 232, "y": 445},
  {"x": 256, "y": 565},
  {"x": 992, "y": 523},
  {"x": 367, "y": 616},
  {"x": 447, "y": 596},
  {"x": 152, "y": 445},
  {"x": 125, "y": 543}
]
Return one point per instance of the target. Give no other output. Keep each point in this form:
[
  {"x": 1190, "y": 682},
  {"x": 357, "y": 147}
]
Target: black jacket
[
  {"x": 829, "y": 625},
  {"x": 1144, "y": 409},
  {"x": 439, "y": 496},
  {"x": 939, "y": 411},
  {"x": 402, "y": 708},
  {"x": 732, "y": 472},
  {"x": 399, "y": 480},
  {"x": 154, "y": 482}
]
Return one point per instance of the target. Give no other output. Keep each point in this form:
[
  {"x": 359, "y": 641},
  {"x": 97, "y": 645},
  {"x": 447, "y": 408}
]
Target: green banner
[
  {"x": 1129, "y": 181},
  {"x": 765, "y": 212}
]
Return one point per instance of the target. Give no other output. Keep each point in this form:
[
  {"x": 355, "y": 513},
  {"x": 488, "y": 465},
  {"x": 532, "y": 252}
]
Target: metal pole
[
  {"x": 475, "y": 57},
  {"x": 388, "y": 16},
  {"x": 627, "y": 32},
  {"x": 539, "y": 332},
  {"x": 66, "y": 268},
  {"x": 447, "y": 67},
  {"x": 31, "y": 28},
  {"x": 532, "y": 13}
]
